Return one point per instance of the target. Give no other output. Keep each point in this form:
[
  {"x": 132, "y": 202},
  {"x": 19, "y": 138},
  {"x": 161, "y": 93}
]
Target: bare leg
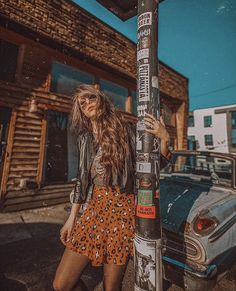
[
  {"x": 69, "y": 271},
  {"x": 113, "y": 276}
]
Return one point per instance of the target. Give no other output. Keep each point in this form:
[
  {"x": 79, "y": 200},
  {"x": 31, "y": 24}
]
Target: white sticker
[
  {"x": 143, "y": 54},
  {"x": 142, "y": 110},
  {"x": 141, "y": 125},
  {"x": 143, "y": 83},
  {"x": 155, "y": 82},
  {"x": 139, "y": 145},
  {"x": 145, "y": 264},
  {"x": 156, "y": 145},
  {"x": 143, "y": 167},
  {"x": 145, "y": 19},
  {"x": 144, "y": 32}
]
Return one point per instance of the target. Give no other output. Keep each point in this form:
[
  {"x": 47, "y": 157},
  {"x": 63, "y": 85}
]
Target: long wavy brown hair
[{"x": 111, "y": 131}]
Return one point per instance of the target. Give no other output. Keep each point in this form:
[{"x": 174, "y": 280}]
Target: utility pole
[{"x": 147, "y": 242}]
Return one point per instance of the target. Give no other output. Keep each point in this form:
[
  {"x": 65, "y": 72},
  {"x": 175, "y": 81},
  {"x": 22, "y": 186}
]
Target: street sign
[{"x": 124, "y": 9}]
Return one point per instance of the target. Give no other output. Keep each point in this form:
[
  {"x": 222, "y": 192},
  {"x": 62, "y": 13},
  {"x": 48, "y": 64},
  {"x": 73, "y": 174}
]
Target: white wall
[{"x": 218, "y": 129}]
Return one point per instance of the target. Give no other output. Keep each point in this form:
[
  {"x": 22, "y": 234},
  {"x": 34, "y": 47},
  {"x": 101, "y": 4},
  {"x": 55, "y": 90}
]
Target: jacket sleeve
[{"x": 76, "y": 192}]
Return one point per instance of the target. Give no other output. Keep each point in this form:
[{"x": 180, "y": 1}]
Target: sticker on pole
[
  {"x": 142, "y": 110},
  {"x": 142, "y": 54},
  {"x": 144, "y": 32},
  {"x": 146, "y": 211},
  {"x": 143, "y": 83},
  {"x": 143, "y": 167},
  {"x": 145, "y": 197},
  {"x": 142, "y": 157},
  {"x": 144, "y": 264},
  {"x": 145, "y": 183},
  {"x": 141, "y": 125},
  {"x": 144, "y": 43},
  {"x": 144, "y": 19}
]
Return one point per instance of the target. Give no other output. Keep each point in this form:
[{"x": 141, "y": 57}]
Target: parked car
[{"x": 198, "y": 211}]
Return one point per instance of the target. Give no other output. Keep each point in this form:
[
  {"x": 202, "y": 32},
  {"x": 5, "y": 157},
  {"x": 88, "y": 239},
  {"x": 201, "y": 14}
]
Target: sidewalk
[{"x": 30, "y": 251}]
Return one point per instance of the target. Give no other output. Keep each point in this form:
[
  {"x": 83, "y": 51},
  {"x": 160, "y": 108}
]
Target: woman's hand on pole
[{"x": 158, "y": 129}]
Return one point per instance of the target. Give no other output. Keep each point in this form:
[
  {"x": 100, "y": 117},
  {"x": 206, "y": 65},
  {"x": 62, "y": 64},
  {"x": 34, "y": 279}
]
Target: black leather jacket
[{"x": 87, "y": 154}]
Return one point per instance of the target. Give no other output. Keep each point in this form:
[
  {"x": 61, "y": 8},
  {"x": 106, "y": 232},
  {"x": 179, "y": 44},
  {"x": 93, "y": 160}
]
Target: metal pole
[{"x": 148, "y": 259}]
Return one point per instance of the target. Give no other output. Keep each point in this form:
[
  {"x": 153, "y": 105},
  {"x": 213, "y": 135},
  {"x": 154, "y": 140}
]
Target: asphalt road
[{"x": 30, "y": 251}]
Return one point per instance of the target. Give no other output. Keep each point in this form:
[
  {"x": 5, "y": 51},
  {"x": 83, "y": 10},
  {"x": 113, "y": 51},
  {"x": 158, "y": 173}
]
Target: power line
[{"x": 214, "y": 91}]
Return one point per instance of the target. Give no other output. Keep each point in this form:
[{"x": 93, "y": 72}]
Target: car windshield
[{"x": 208, "y": 169}]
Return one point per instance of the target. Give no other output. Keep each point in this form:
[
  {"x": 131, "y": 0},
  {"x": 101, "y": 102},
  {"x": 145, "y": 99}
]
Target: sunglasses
[{"x": 85, "y": 100}]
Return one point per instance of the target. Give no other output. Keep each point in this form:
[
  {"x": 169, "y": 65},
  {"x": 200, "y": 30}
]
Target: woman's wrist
[
  {"x": 74, "y": 211},
  {"x": 165, "y": 142}
]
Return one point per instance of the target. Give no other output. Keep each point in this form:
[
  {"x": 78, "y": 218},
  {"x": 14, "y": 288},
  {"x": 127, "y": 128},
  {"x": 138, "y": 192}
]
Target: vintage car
[{"x": 198, "y": 212}]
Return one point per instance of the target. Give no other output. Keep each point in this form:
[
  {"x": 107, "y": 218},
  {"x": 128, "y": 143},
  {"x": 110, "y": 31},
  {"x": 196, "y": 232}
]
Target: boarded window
[
  {"x": 118, "y": 94},
  {"x": 66, "y": 79},
  {"x": 8, "y": 60}
]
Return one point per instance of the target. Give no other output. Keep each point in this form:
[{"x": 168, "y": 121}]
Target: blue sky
[{"x": 198, "y": 39}]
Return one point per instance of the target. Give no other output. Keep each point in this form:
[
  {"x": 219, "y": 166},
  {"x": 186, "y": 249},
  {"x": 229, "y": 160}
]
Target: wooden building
[{"x": 48, "y": 48}]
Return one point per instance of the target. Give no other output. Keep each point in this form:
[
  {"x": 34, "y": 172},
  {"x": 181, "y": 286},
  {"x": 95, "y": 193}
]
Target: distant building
[{"x": 213, "y": 129}]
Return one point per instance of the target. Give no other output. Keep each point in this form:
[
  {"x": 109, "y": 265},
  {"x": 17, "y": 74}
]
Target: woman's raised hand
[{"x": 156, "y": 127}]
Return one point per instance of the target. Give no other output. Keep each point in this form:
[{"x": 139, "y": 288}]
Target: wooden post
[
  {"x": 8, "y": 153},
  {"x": 128, "y": 104},
  {"x": 42, "y": 150}
]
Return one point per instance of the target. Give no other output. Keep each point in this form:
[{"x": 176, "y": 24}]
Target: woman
[{"x": 104, "y": 233}]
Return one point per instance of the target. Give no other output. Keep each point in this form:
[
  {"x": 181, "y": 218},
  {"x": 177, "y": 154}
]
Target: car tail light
[{"x": 204, "y": 225}]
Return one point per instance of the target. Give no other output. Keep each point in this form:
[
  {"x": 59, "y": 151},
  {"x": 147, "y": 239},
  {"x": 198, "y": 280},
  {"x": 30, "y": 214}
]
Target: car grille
[{"x": 177, "y": 245}]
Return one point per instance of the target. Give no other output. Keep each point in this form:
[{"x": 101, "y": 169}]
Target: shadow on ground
[
  {"x": 34, "y": 260},
  {"x": 7, "y": 284}
]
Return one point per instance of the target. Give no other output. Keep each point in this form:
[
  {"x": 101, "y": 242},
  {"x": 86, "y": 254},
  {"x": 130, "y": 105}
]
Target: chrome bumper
[{"x": 209, "y": 273}]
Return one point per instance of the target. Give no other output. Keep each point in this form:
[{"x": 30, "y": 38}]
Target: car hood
[{"x": 182, "y": 200}]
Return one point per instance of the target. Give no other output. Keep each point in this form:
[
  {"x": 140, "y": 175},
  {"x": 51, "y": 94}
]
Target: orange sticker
[{"x": 146, "y": 211}]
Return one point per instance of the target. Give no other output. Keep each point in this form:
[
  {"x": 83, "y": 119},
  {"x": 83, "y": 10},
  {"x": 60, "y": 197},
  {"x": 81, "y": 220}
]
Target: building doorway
[
  {"x": 5, "y": 117},
  {"x": 56, "y": 168}
]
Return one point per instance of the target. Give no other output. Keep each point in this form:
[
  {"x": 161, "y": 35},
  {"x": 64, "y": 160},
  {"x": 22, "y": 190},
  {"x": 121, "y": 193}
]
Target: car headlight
[{"x": 203, "y": 224}]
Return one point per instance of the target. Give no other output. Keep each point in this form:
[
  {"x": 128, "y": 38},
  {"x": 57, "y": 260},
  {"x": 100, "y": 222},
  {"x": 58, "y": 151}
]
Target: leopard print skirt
[{"x": 105, "y": 231}]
